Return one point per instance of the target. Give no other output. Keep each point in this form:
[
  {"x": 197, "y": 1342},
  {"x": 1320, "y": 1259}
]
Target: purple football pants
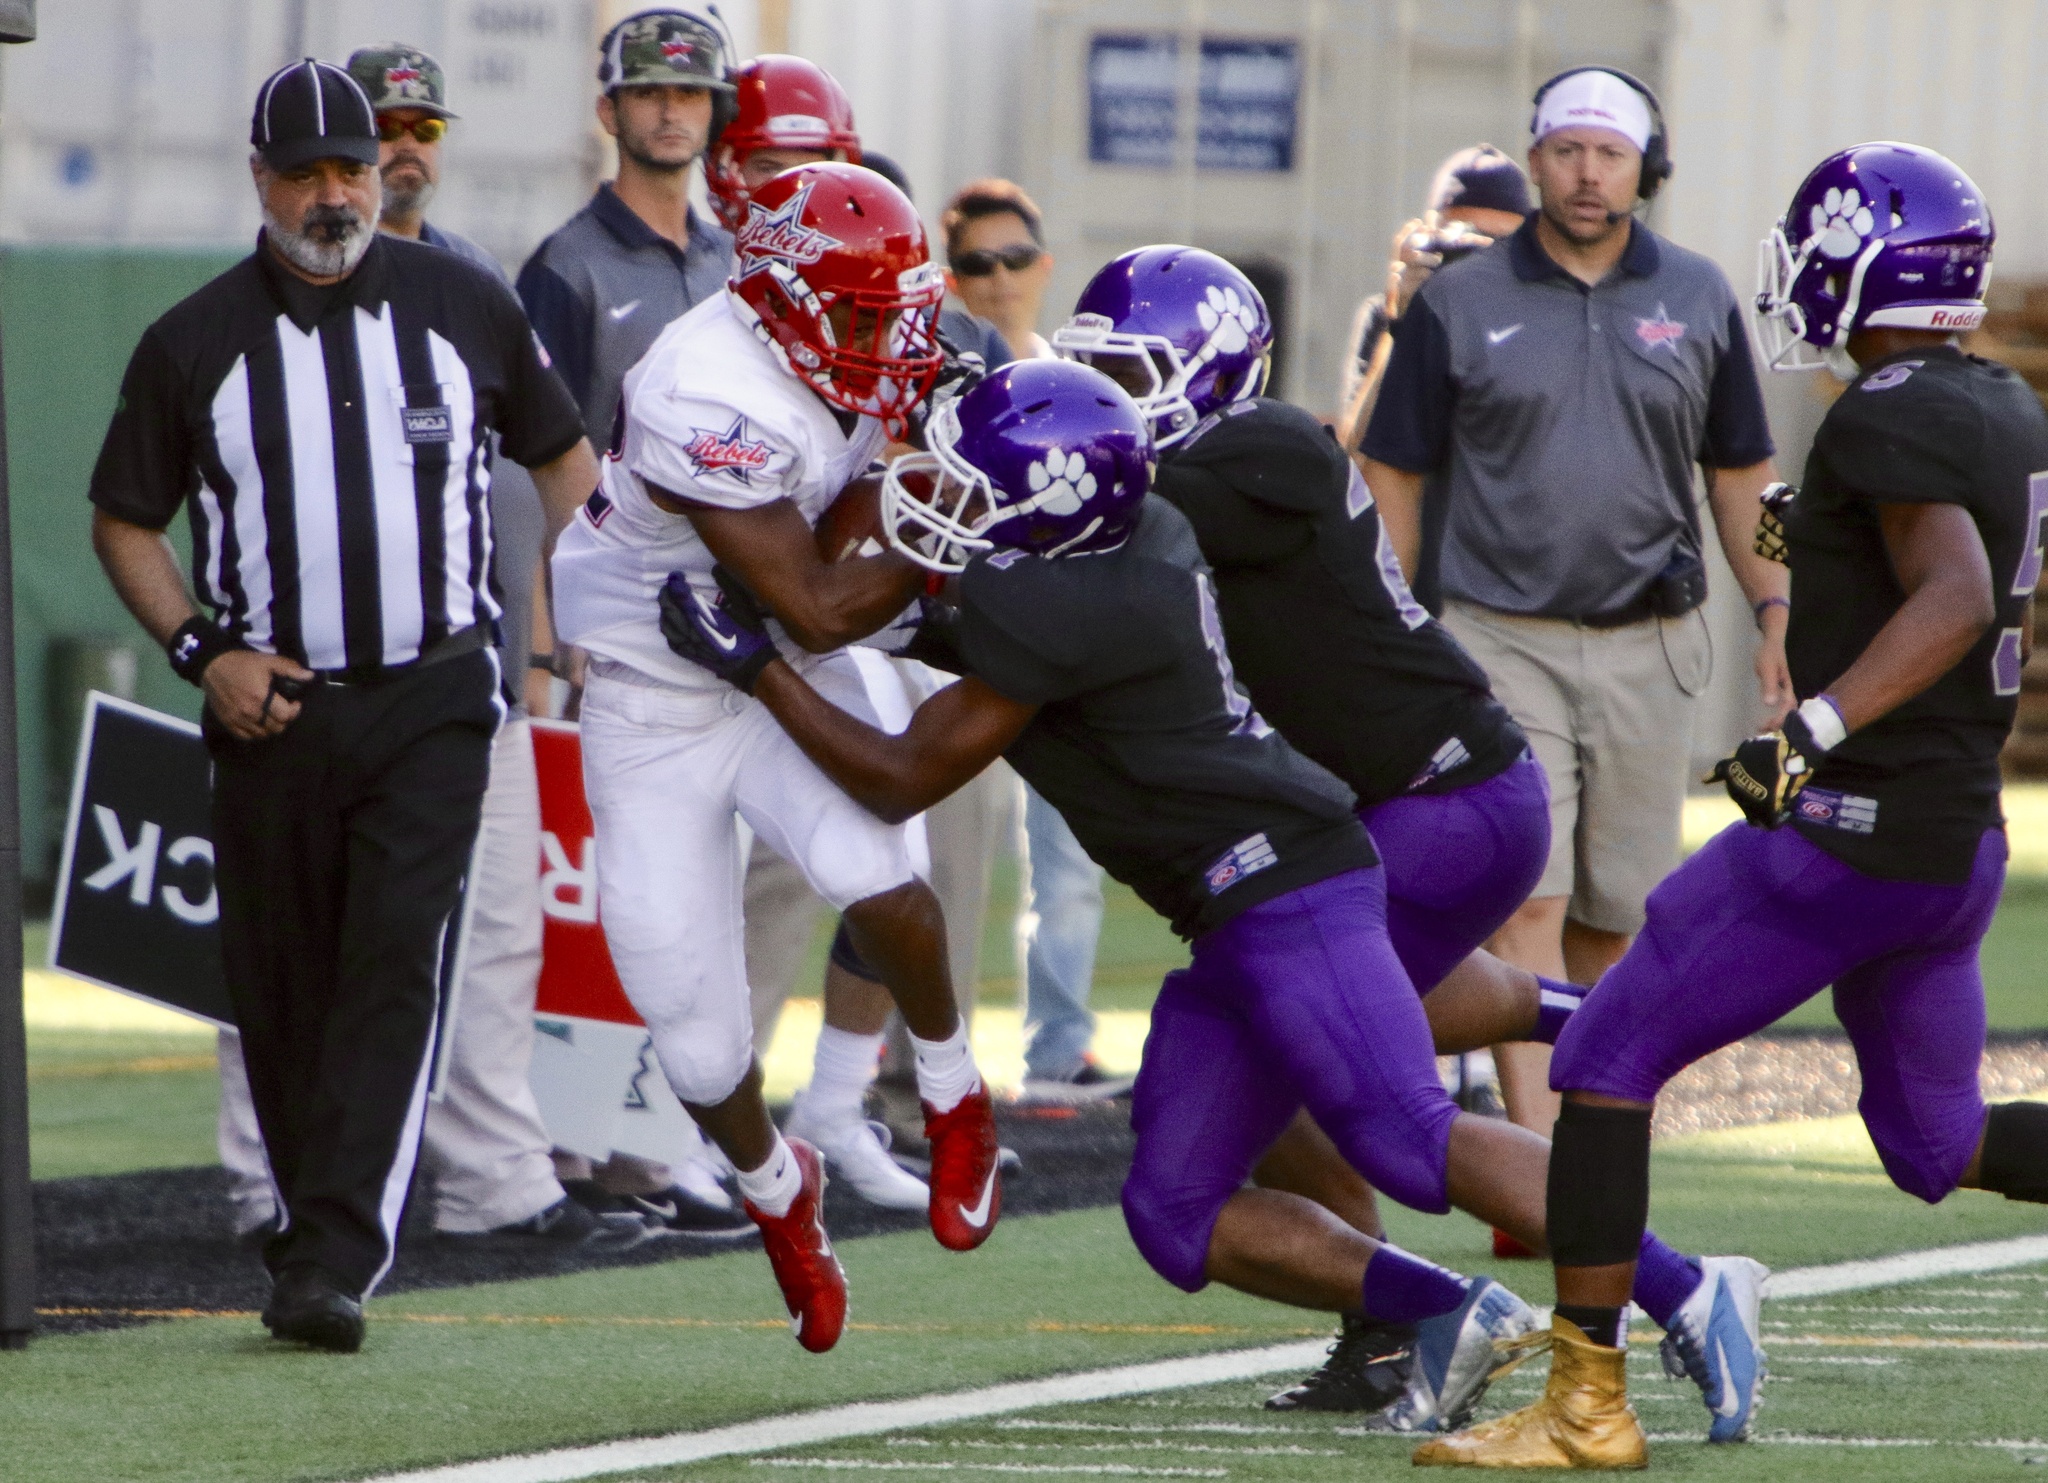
[
  {"x": 1299, "y": 1001},
  {"x": 1759, "y": 922},
  {"x": 1459, "y": 864}
]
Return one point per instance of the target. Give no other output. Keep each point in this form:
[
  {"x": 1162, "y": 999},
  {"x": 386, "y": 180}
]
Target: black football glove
[
  {"x": 1766, "y": 773},
  {"x": 727, "y": 635},
  {"x": 1770, "y": 524}
]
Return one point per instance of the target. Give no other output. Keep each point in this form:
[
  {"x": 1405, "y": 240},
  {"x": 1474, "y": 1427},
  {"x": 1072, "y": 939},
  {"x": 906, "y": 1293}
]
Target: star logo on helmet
[
  {"x": 729, "y": 452},
  {"x": 1662, "y": 332},
  {"x": 677, "y": 53},
  {"x": 780, "y": 236}
]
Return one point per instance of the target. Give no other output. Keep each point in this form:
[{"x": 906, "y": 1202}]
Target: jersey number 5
[{"x": 2006, "y": 659}]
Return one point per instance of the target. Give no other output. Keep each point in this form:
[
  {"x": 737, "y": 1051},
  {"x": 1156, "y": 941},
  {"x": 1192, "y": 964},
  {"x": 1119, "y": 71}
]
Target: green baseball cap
[
  {"x": 397, "y": 76},
  {"x": 662, "y": 48}
]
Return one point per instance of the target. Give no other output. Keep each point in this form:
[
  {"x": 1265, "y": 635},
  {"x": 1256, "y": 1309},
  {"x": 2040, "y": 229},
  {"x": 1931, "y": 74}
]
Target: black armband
[{"x": 196, "y": 644}]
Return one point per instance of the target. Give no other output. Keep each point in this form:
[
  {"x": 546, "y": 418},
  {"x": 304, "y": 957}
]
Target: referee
[{"x": 322, "y": 411}]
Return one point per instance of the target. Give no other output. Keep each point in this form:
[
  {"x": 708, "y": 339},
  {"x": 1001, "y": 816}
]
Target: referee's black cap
[{"x": 313, "y": 110}]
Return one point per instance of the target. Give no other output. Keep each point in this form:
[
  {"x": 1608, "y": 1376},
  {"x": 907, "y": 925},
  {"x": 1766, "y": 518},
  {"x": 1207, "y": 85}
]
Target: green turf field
[{"x": 522, "y": 1366}]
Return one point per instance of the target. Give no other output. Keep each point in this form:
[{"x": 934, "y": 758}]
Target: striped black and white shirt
[{"x": 332, "y": 447}]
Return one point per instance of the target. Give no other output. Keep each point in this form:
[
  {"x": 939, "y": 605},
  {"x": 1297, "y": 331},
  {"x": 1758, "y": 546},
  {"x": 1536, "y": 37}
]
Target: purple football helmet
[
  {"x": 1179, "y": 328},
  {"x": 1878, "y": 235},
  {"x": 1043, "y": 456}
]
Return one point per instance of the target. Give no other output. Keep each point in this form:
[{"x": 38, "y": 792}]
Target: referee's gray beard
[{"x": 330, "y": 241}]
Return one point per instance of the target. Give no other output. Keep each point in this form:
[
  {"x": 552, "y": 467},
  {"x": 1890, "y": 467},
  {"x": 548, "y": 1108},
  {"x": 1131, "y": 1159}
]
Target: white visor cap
[{"x": 1594, "y": 100}]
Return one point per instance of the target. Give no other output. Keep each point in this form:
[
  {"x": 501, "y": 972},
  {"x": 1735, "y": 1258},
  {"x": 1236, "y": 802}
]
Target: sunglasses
[
  {"x": 426, "y": 130},
  {"x": 982, "y": 261}
]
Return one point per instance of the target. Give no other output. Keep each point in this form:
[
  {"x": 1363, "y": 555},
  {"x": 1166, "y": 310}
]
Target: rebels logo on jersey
[{"x": 730, "y": 452}]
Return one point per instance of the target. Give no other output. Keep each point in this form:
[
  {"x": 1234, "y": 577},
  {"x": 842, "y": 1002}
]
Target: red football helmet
[
  {"x": 778, "y": 102},
  {"x": 832, "y": 271}
]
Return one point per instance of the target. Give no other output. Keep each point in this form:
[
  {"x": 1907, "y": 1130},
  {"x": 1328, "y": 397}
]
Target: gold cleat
[{"x": 1583, "y": 1421}]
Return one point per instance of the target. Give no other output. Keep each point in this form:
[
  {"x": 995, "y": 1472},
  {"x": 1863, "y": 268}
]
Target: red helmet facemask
[
  {"x": 778, "y": 102},
  {"x": 832, "y": 271}
]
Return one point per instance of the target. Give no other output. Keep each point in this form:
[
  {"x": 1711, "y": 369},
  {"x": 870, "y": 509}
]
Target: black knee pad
[
  {"x": 848, "y": 957},
  {"x": 1599, "y": 1191},
  {"x": 2016, "y": 1151}
]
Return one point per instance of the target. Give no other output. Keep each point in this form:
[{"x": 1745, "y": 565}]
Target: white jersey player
[{"x": 739, "y": 427}]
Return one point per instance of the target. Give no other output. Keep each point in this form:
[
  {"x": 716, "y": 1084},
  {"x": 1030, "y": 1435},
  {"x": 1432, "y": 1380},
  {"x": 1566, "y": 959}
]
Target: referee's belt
[{"x": 469, "y": 641}]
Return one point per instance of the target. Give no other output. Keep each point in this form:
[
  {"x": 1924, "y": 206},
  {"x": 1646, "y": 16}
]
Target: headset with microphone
[{"x": 1656, "y": 152}]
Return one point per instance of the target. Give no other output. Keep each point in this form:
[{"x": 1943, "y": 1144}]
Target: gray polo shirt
[
  {"x": 516, "y": 519},
  {"x": 1565, "y": 420},
  {"x": 604, "y": 286}
]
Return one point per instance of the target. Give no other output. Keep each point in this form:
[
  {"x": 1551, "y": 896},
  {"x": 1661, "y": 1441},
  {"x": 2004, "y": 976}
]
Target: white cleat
[
  {"x": 857, "y": 1151},
  {"x": 1716, "y": 1341},
  {"x": 1458, "y": 1354}
]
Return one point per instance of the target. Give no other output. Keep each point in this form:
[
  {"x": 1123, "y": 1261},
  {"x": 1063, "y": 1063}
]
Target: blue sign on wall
[{"x": 1247, "y": 98}]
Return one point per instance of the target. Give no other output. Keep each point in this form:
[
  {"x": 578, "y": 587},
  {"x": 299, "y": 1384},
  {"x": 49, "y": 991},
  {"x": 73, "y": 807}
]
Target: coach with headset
[{"x": 1565, "y": 383}]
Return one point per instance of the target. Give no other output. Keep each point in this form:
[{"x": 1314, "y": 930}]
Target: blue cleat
[
  {"x": 1716, "y": 1342},
  {"x": 1458, "y": 1354}
]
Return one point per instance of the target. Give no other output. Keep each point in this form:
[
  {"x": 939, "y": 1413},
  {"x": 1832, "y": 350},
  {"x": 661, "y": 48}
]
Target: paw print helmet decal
[
  {"x": 1044, "y": 456},
  {"x": 1179, "y": 328},
  {"x": 1878, "y": 235}
]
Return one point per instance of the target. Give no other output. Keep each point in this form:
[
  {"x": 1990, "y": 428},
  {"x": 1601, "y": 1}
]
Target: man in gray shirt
[
  {"x": 615, "y": 275},
  {"x": 1564, "y": 384}
]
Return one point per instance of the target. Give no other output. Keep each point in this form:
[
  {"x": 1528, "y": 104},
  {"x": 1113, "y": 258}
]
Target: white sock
[
  {"x": 841, "y": 1068},
  {"x": 773, "y": 1188},
  {"x": 945, "y": 1069}
]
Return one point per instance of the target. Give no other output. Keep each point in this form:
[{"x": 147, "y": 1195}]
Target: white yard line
[
  {"x": 867, "y": 1418},
  {"x": 871, "y": 1418},
  {"x": 1909, "y": 1266}
]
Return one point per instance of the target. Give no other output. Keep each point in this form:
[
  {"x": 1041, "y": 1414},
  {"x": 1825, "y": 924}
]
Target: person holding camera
[{"x": 1562, "y": 387}]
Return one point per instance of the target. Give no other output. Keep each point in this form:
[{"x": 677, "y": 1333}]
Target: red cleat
[
  {"x": 812, "y": 1281},
  {"x": 967, "y": 1193},
  {"x": 1506, "y": 1248}
]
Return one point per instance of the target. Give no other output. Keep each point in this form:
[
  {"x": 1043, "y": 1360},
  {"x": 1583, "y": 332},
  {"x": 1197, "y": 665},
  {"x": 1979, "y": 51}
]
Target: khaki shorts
[{"x": 1609, "y": 715}]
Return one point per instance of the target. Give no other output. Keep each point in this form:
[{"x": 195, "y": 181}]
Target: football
[{"x": 852, "y": 523}]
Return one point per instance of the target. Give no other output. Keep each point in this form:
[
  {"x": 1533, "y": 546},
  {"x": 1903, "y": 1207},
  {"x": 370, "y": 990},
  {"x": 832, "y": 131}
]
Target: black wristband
[
  {"x": 196, "y": 644},
  {"x": 541, "y": 661},
  {"x": 749, "y": 674}
]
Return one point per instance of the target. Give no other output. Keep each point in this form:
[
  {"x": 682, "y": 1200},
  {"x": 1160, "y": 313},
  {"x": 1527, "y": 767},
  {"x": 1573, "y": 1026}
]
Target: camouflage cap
[
  {"x": 662, "y": 48},
  {"x": 398, "y": 76}
]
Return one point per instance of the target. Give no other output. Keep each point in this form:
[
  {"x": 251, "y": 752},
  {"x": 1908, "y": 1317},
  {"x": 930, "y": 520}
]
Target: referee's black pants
[{"x": 340, "y": 849}]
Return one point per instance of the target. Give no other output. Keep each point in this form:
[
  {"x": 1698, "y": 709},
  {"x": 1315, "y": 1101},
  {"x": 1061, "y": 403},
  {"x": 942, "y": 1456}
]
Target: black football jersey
[
  {"x": 1324, "y": 633},
  {"x": 1909, "y": 796},
  {"x": 1143, "y": 742}
]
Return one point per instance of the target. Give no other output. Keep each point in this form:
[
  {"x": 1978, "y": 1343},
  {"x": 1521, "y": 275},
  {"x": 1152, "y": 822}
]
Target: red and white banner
[{"x": 594, "y": 1072}]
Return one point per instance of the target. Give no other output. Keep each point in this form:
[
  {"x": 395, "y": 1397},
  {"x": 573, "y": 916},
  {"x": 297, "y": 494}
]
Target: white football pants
[{"x": 666, "y": 771}]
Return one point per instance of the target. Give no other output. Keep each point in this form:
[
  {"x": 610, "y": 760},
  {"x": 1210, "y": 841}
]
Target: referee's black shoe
[{"x": 307, "y": 1305}]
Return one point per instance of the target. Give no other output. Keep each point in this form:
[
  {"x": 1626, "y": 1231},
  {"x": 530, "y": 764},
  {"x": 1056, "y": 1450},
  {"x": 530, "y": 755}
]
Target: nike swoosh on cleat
[
  {"x": 978, "y": 1216},
  {"x": 665, "y": 1210},
  {"x": 618, "y": 312},
  {"x": 1501, "y": 337},
  {"x": 1728, "y": 1405}
]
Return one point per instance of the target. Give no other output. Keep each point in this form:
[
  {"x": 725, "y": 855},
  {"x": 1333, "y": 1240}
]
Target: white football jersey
[{"x": 712, "y": 416}]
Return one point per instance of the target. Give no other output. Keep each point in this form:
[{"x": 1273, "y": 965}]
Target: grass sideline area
[
  {"x": 116, "y": 1084},
  {"x": 524, "y": 1366}
]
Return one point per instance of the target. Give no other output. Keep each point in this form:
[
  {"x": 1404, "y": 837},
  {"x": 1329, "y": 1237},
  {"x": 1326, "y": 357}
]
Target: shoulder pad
[
  {"x": 1272, "y": 452},
  {"x": 1910, "y": 430}
]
